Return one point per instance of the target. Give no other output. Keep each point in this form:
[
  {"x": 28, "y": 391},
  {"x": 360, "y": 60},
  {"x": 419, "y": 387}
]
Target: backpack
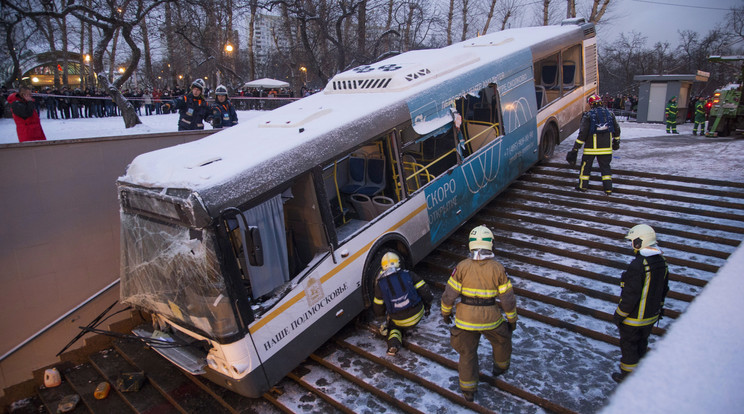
[
  {"x": 602, "y": 121},
  {"x": 398, "y": 291}
]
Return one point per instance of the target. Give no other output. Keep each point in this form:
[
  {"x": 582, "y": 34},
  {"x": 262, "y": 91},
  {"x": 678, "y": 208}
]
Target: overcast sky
[{"x": 659, "y": 20}]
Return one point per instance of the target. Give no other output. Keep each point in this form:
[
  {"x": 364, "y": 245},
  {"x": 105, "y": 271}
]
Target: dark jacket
[
  {"x": 223, "y": 114},
  {"x": 26, "y": 118},
  {"x": 644, "y": 288},
  {"x": 193, "y": 111},
  {"x": 599, "y": 129},
  {"x": 410, "y": 316}
]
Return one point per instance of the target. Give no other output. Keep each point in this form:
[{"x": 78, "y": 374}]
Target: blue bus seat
[
  {"x": 549, "y": 77},
  {"x": 540, "y": 96},
  {"x": 357, "y": 166},
  {"x": 375, "y": 177},
  {"x": 569, "y": 71}
]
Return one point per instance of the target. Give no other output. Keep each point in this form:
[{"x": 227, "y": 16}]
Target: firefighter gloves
[
  {"x": 512, "y": 326},
  {"x": 571, "y": 157},
  {"x": 447, "y": 319}
]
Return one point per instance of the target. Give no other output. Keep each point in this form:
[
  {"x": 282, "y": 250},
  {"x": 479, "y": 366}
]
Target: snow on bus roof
[{"x": 234, "y": 152}]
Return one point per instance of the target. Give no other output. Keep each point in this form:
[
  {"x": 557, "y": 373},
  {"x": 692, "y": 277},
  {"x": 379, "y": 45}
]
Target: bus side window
[
  {"x": 572, "y": 64},
  {"x": 481, "y": 124}
]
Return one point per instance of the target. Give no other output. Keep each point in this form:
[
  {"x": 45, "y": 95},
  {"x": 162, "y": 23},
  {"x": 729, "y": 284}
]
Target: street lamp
[
  {"x": 304, "y": 70},
  {"x": 228, "y": 48},
  {"x": 121, "y": 70}
]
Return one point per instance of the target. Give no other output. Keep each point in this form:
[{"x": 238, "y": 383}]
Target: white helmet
[
  {"x": 390, "y": 259},
  {"x": 199, "y": 83},
  {"x": 642, "y": 236},
  {"x": 221, "y": 90},
  {"x": 481, "y": 238}
]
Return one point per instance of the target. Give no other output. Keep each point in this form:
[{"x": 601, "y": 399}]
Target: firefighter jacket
[
  {"x": 599, "y": 130},
  {"x": 644, "y": 288},
  {"x": 410, "y": 316},
  {"x": 223, "y": 115},
  {"x": 478, "y": 283},
  {"x": 671, "y": 111},
  {"x": 192, "y": 112}
]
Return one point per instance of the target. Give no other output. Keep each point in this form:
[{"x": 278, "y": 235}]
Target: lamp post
[
  {"x": 228, "y": 51},
  {"x": 304, "y": 70}
]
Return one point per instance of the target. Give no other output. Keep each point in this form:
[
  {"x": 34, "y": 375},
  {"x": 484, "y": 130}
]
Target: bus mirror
[{"x": 254, "y": 247}]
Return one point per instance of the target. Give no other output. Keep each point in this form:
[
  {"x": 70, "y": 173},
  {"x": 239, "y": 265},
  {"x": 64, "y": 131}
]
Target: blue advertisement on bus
[{"x": 458, "y": 195}]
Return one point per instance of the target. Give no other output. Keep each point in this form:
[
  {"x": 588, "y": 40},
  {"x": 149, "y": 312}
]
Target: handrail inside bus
[{"x": 494, "y": 126}]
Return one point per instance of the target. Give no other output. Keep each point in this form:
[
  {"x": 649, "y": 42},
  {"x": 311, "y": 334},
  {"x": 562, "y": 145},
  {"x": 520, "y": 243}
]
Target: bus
[{"x": 251, "y": 247}]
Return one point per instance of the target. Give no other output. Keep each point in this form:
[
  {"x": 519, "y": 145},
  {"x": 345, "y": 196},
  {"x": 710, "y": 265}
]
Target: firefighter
[
  {"x": 644, "y": 287},
  {"x": 477, "y": 281},
  {"x": 193, "y": 108},
  {"x": 405, "y": 298},
  {"x": 699, "y": 117},
  {"x": 671, "y": 116},
  {"x": 600, "y": 135}
]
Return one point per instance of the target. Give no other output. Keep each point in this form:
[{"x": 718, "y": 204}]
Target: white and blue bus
[{"x": 259, "y": 242}]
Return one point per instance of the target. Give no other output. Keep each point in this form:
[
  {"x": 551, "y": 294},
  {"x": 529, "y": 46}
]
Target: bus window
[
  {"x": 426, "y": 156},
  {"x": 360, "y": 185},
  {"x": 572, "y": 74},
  {"x": 481, "y": 118},
  {"x": 291, "y": 236},
  {"x": 547, "y": 76}
]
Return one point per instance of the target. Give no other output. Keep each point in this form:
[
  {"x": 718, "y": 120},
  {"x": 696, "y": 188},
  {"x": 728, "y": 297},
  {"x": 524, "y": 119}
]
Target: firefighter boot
[{"x": 619, "y": 376}]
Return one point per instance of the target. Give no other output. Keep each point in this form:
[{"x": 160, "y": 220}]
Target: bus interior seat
[
  {"x": 569, "y": 71},
  {"x": 357, "y": 166},
  {"x": 375, "y": 180},
  {"x": 549, "y": 77},
  {"x": 541, "y": 96}
]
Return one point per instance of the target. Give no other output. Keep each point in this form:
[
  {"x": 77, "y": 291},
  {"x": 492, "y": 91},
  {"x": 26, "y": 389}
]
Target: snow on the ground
[{"x": 698, "y": 366}]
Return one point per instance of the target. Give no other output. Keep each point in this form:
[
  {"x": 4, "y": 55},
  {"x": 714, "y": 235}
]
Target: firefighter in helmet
[
  {"x": 644, "y": 287},
  {"x": 478, "y": 281},
  {"x": 600, "y": 135},
  {"x": 403, "y": 296},
  {"x": 193, "y": 108},
  {"x": 671, "y": 116}
]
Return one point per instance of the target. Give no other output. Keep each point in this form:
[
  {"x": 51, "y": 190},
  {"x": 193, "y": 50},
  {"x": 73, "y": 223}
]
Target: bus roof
[{"x": 232, "y": 166}]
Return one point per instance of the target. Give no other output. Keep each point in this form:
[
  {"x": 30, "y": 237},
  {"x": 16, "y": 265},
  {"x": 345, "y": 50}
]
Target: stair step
[
  {"x": 174, "y": 384},
  {"x": 31, "y": 405},
  {"x": 147, "y": 400},
  {"x": 84, "y": 378},
  {"x": 52, "y": 396},
  {"x": 235, "y": 401}
]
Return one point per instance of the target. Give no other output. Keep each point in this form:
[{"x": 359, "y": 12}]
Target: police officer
[
  {"x": 671, "y": 116},
  {"x": 193, "y": 109},
  {"x": 699, "y": 117},
  {"x": 477, "y": 281},
  {"x": 223, "y": 112},
  {"x": 600, "y": 135},
  {"x": 644, "y": 287},
  {"x": 405, "y": 298}
]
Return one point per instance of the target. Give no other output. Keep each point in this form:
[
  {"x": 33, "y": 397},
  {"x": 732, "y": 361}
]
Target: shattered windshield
[{"x": 173, "y": 271}]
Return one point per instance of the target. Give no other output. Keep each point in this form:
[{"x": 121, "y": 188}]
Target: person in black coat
[
  {"x": 193, "y": 108},
  {"x": 644, "y": 288},
  {"x": 223, "y": 112}
]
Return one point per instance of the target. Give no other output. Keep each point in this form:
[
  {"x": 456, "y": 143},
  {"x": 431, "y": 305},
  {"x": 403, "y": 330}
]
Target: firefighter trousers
[
  {"x": 585, "y": 170},
  {"x": 633, "y": 345},
  {"x": 466, "y": 344}
]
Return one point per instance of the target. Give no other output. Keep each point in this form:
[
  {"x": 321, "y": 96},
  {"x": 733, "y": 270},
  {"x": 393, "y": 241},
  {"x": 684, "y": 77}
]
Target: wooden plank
[{"x": 84, "y": 379}]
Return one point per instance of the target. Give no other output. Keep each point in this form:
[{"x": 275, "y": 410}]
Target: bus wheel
[{"x": 547, "y": 143}]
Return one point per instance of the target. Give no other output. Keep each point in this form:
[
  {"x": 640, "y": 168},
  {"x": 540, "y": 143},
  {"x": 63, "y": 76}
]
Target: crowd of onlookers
[
  {"x": 73, "y": 103},
  {"x": 624, "y": 106}
]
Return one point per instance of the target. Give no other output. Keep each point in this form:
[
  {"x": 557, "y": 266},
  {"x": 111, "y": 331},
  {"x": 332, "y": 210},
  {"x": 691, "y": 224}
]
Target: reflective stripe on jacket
[
  {"x": 481, "y": 279},
  {"x": 599, "y": 143},
  {"x": 644, "y": 288}
]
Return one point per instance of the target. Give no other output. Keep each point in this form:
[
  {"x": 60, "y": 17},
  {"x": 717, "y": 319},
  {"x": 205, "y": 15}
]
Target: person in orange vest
[
  {"x": 28, "y": 125},
  {"x": 193, "y": 108}
]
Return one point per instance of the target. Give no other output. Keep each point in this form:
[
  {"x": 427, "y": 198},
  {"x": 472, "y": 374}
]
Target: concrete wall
[{"x": 59, "y": 238}]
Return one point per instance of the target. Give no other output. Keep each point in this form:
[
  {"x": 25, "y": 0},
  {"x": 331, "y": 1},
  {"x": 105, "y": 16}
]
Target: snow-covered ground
[{"x": 698, "y": 366}]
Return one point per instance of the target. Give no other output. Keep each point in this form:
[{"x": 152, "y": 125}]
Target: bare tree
[{"x": 599, "y": 7}]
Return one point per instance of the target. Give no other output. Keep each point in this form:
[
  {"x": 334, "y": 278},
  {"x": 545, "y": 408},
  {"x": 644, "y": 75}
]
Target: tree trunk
[
  {"x": 251, "y": 38},
  {"x": 362, "y": 29},
  {"x": 65, "y": 59},
  {"x": 128, "y": 112},
  {"x": 546, "y": 13},
  {"x": 598, "y": 11},
  {"x": 170, "y": 46},
  {"x": 10, "y": 45},
  {"x": 489, "y": 16},
  {"x": 570, "y": 9},
  {"x": 464, "y": 20},
  {"x": 450, "y": 18},
  {"x": 112, "y": 56},
  {"x": 146, "y": 48}
]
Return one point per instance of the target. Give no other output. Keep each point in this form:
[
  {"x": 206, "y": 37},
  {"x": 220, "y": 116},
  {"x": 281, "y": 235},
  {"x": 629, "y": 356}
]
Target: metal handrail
[{"x": 58, "y": 320}]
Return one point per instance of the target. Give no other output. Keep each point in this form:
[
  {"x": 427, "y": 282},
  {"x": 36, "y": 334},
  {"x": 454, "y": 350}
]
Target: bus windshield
[{"x": 173, "y": 270}]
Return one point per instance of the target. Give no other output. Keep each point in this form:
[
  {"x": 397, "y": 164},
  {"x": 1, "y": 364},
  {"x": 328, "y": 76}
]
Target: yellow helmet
[
  {"x": 390, "y": 259},
  {"x": 481, "y": 238},
  {"x": 642, "y": 236}
]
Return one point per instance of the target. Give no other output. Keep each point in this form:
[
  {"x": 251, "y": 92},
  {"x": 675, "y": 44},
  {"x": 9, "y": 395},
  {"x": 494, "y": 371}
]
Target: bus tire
[{"x": 547, "y": 143}]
